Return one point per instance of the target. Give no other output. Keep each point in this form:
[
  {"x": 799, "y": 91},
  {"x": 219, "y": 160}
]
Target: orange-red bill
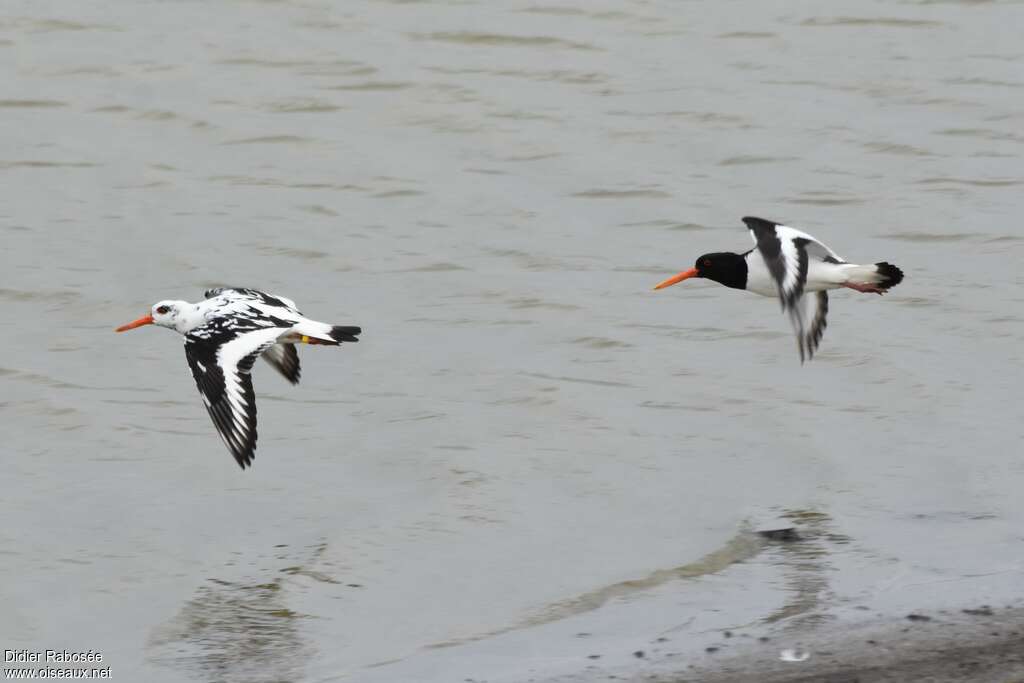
[
  {"x": 144, "y": 320},
  {"x": 685, "y": 275}
]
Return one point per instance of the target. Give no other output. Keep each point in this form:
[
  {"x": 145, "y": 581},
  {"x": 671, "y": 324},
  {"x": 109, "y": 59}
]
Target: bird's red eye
[
  {"x": 162, "y": 309},
  {"x": 707, "y": 262}
]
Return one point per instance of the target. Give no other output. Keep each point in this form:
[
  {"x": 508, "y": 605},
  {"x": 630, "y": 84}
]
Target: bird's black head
[{"x": 724, "y": 267}]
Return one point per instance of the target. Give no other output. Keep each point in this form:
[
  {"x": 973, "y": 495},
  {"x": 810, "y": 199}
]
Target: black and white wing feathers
[
  {"x": 244, "y": 294},
  {"x": 787, "y": 253},
  {"x": 812, "y": 307},
  {"x": 221, "y": 364},
  {"x": 285, "y": 359}
]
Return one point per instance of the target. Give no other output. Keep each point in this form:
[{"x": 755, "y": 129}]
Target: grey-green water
[{"x": 528, "y": 444}]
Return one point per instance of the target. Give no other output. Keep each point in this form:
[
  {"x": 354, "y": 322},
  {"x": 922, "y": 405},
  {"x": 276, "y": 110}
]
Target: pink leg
[{"x": 866, "y": 288}]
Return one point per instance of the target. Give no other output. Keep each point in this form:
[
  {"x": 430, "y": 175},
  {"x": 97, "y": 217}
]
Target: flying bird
[
  {"x": 791, "y": 265},
  {"x": 224, "y": 333}
]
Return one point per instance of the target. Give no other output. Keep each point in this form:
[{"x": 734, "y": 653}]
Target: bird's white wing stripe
[
  {"x": 276, "y": 311},
  {"x": 229, "y": 356},
  {"x": 814, "y": 247},
  {"x": 812, "y": 307},
  {"x": 791, "y": 259},
  {"x": 287, "y": 302}
]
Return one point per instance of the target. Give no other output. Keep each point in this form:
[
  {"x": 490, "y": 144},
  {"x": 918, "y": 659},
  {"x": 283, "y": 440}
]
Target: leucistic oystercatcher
[
  {"x": 224, "y": 334},
  {"x": 788, "y": 263}
]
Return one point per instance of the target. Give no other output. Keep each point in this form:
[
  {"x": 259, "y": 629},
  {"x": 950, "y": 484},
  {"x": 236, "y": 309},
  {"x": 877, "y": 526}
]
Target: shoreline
[{"x": 979, "y": 645}]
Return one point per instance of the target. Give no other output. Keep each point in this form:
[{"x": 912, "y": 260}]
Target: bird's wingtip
[{"x": 752, "y": 221}]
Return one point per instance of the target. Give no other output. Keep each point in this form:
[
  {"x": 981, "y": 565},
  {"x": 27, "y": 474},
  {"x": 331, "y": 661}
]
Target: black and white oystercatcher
[
  {"x": 224, "y": 334},
  {"x": 788, "y": 263}
]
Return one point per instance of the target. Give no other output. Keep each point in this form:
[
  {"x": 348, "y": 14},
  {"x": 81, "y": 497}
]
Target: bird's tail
[
  {"x": 345, "y": 333},
  {"x": 876, "y": 276},
  {"x": 313, "y": 332}
]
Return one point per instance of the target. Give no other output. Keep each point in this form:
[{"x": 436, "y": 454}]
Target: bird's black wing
[
  {"x": 808, "y": 340},
  {"x": 253, "y": 295},
  {"x": 285, "y": 360},
  {"x": 221, "y": 360},
  {"x": 787, "y": 253},
  {"x": 784, "y": 251}
]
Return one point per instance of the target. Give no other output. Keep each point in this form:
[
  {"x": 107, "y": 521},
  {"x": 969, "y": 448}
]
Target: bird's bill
[
  {"x": 679, "y": 277},
  {"x": 144, "y": 320}
]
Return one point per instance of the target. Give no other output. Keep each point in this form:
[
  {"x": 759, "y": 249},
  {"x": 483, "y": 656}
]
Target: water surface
[{"x": 531, "y": 458}]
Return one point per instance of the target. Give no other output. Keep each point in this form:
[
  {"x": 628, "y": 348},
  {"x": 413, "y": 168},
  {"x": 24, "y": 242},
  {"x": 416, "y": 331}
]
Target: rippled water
[{"x": 532, "y": 466}]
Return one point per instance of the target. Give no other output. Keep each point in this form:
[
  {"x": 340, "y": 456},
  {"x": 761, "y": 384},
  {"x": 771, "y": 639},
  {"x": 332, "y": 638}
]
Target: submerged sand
[{"x": 980, "y": 645}]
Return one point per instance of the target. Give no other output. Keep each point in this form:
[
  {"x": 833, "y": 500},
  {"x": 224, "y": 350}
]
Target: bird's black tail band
[
  {"x": 888, "y": 274},
  {"x": 343, "y": 333}
]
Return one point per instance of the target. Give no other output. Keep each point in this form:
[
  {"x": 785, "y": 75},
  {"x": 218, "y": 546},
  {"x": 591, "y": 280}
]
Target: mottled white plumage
[{"x": 224, "y": 334}]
